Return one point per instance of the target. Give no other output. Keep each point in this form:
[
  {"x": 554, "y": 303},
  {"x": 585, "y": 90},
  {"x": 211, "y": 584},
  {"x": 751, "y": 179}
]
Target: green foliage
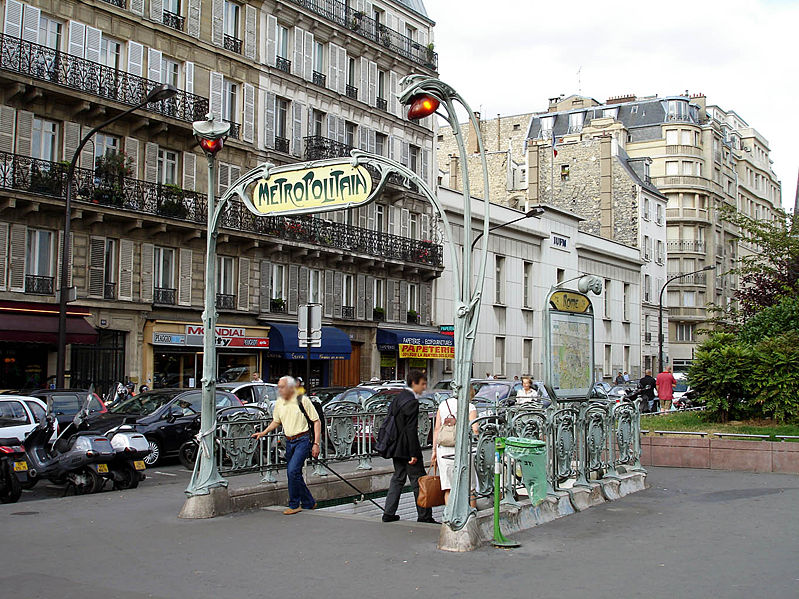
[
  {"x": 780, "y": 318},
  {"x": 722, "y": 373},
  {"x": 775, "y": 380}
]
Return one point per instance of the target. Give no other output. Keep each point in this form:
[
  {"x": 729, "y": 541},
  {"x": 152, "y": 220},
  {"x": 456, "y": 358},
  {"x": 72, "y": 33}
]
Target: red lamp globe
[
  {"x": 211, "y": 146},
  {"x": 421, "y": 106}
]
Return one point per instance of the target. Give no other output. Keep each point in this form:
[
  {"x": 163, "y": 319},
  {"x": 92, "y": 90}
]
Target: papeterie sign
[{"x": 430, "y": 352}]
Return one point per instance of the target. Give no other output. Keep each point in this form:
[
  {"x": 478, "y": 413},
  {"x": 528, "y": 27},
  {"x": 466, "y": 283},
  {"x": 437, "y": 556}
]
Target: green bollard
[{"x": 499, "y": 538}]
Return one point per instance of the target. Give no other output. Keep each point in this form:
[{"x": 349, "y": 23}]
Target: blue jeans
[{"x": 297, "y": 452}]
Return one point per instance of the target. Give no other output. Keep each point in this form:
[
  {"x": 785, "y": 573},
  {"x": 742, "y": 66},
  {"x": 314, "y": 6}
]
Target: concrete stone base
[
  {"x": 216, "y": 503},
  {"x": 468, "y": 538},
  {"x": 584, "y": 497}
]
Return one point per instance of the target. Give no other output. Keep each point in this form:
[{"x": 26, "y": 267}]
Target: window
[
  {"x": 380, "y": 218},
  {"x": 607, "y": 366},
  {"x": 660, "y": 253},
  {"x": 647, "y": 288},
  {"x": 172, "y": 6},
  {"x": 167, "y": 167},
  {"x": 110, "y": 53},
  {"x": 281, "y": 118},
  {"x": 231, "y": 23},
  {"x": 687, "y": 137},
  {"x": 607, "y": 298},
  {"x": 564, "y": 172},
  {"x": 348, "y": 290},
  {"x": 499, "y": 355},
  {"x": 349, "y": 134},
  {"x": 647, "y": 246},
  {"x": 528, "y": 285},
  {"x": 278, "y": 281},
  {"x": 626, "y": 299},
  {"x": 170, "y": 71},
  {"x": 576, "y": 121},
  {"x": 380, "y": 294},
  {"x": 164, "y": 268},
  {"x": 380, "y": 144},
  {"x": 315, "y": 286},
  {"x": 318, "y": 57},
  {"x": 381, "y": 84},
  {"x": 50, "y": 33},
  {"x": 560, "y": 274},
  {"x": 659, "y": 214},
  {"x": 230, "y": 101},
  {"x": 677, "y": 110},
  {"x": 224, "y": 275},
  {"x": 499, "y": 269},
  {"x": 413, "y": 226},
  {"x": 689, "y": 299},
  {"x": 686, "y": 332},
  {"x": 626, "y": 358},
  {"x": 40, "y": 253},
  {"x": 646, "y": 208},
  {"x": 414, "y": 164},
  {"x": 672, "y": 168},
  {"x": 45, "y": 140},
  {"x": 110, "y": 261},
  {"x": 282, "y": 42},
  {"x": 671, "y": 137},
  {"x": 318, "y": 122},
  {"x": 527, "y": 356},
  {"x": 351, "y": 72},
  {"x": 105, "y": 144},
  {"x": 413, "y": 297}
]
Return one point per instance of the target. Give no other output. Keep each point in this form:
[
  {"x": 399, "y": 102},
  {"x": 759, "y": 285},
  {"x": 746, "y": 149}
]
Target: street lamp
[
  {"x": 158, "y": 93},
  {"x": 660, "y": 310},
  {"x": 210, "y": 134},
  {"x": 533, "y": 212}
]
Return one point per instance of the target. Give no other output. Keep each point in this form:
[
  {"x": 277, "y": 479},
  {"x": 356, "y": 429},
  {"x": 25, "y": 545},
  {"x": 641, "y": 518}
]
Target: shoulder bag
[
  {"x": 430, "y": 493},
  {"x": 446, "y": 436}
]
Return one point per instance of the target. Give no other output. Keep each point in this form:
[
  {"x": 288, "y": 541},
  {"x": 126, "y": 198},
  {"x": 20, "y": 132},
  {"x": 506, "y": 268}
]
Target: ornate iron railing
[
  {"x": 414, "y": 318},
  {"x": 119, "y": 3},
  {"x": 378, "y": 315},
  {"x": 282, "y": 144},
  {"x": 41, "y": 177},
  {"x": 277, "y": 305},
  {"x": 164, "y": 296},
  {"x": 358, "y": 22},
  {"x": 225, "y": 301},
  {"x": 348, "y": 312},
  {"x": 235, "y": 129},
  {"x": 686, "y": 245},
  {"x": 381, "y": 104},
  {"x": 698, "y": 278},
  {"x": 232, "y": 43},
  {"x": 283, "y": 64},
  {"x": 352, "y": 92},
  {"x": 319, "y": 79},
  {"x": 318, "y": 148},
  {"x": 38, "y": 285},
  {"x": 45, "y": 64},
  {"x": 110, "y": 291},
  {"x": 173, "y": 20}
]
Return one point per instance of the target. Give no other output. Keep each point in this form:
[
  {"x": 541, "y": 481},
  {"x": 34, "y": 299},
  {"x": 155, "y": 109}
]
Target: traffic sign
[{"x": 309, "y": 325}]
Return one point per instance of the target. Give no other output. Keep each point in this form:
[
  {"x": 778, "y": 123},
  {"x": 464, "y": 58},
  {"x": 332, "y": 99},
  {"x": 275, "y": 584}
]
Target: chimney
[
  {"x": 472, "y": 147},
  {"x": 454, "y": 171},
  {"x": 621, "y": 99},
  {"x": 606, "y": 186}
]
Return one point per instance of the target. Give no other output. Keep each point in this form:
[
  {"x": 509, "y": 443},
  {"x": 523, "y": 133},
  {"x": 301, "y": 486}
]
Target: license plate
[
  {"x": 102, "y": 468},
  {"x": 139, "y": 465},
  {"x": 20, "y": 466}
]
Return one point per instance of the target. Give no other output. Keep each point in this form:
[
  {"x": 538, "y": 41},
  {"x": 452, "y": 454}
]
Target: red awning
[{"x": 38, "y": 328}]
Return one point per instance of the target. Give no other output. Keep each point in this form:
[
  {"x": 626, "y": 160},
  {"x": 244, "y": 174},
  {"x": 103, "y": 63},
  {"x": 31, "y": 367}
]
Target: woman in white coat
[{"x": 443, "y": 432}]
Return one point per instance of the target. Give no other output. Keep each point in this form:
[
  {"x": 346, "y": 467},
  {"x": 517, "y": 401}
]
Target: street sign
[{"x": 309, "y": 325}]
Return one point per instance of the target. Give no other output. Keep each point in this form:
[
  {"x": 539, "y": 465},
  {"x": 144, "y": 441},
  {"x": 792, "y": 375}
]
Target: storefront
[
  {"x": 286, "y": 357},
  {"x": 402, "y": 351},
  {"x": 173, "y": 355}
]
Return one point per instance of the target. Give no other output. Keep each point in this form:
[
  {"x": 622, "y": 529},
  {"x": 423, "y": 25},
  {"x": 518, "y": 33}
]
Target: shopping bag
[{"x": 430, "y": 493}]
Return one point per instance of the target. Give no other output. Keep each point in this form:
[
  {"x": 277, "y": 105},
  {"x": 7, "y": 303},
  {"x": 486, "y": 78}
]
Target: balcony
[
  {"x": 378, "y": 315},
  {"x": 690, "y": 279},
  {"x": 277, "y": 305},
  {"x": 382, "y": 104},
  {"x": 225, "y": 301},
  {"x": 648, "y": 337},
  {"x": 71, "y": 72},
  {"x": 318, "y": 148},
  {"x": 282, "y": 144},
  {"x": 173, "y": 20},
  {"x": 319, "y": 79},
  {"x": 283, "y": 64},
  {"x": 110, "y": 291},
  {"x": 348, "y": 312},
  {"x": 358, "y": 22},
  {"x": 164, "y": 296},
  {"x": 414, "y": 317},
  {"x": 352, "y": 92},
  {"x": 232, "y": 43},
  {"x": 38, "y": 285},
  {"x": 235, "y": 129},
  {"x": 119, "y": 3},
  {"x": 686, "y": 245}
]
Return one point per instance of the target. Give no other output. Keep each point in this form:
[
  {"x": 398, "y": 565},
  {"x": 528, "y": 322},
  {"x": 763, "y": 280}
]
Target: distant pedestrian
[
  {"x": 626, "y": 377},
  {"x": 287, "y": 412},
  {"x": 647, "y": 383},
  {"x": 489, "y": 376},
  {"x": 620, "y": 378},
  {"x": 406, "y": 452},
  {"x": 256, "y": 378},
  {"x": 665, "y": 384},
  {"x": 527, "y": 393},
  {"x": 515, "y": 377}
]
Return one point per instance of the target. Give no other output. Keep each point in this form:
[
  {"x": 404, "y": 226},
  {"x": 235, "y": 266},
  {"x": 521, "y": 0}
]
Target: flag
[{"x": 554, "y": 143}]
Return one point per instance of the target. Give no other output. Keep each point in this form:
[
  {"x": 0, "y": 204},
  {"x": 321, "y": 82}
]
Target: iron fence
[
  {"x": 38, "y": 285},
  {"x": 232, "y": 43},
  {"x": 348, "y": 312},
  {"x": 352, "y": 92},
  {"x": 319, "y": 79},
  {"x": 283, "y": 64},
  {"x": 109, "y": 291},
  {"x": 282, "y": 144},
  {"x": 164, "y": 296},
  {"x": 173, "y": 20},
  {"x": 225, "y": 301},
  {"x": 319, "y": 148}
]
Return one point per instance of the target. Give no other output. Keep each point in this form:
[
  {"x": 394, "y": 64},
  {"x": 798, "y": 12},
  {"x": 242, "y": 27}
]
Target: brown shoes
[{"x": 291, "y": 510}]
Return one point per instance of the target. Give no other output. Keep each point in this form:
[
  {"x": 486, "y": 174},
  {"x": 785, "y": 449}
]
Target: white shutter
[
  {"x": 425, "y": 159},
  {"x": 132, "y": 152},
  {"x": 218, "y": 22},
  {"x": 8, "y": 117},
  {"x": 405, "y": 160},
  {"x": 372, "y": 83},
  {"x": 184, "y": 278},
  {"x": 189, "y": 170},
  {"x": 332, "y": 66},
  {"x": 342, "y": 130},
  {"x": 248, "y": 128},
  {"x": 393, "y": 220},
  {"x": 151, "y": 162},
  {"x": 269, "y": 128},
  {"x": 188, "y": 70},
  {"x": 363, "y": 90},
  {"x": 250, "y": 40},
  {"x": 13, "y": 22},
  {"x": 157, "y": 11},
  {"x": 137, "y": 6},
  {"x": 299, "y": 63},
  {"x": 24, "y": 132},
  {"x": 194, "y": 15},
  {"x": 222, "y": 177},
  {"x": 371, "y": 216},
  {"x": 308, "y": 55},
  {"x": 59, "y": 252},
  {"x": 371, "y": 141},
  {"x": 332, "y": 128},
  {"x": 296, "y": 134},
  {"x": 154, "y": 65},
  {"x": 404, "y": 218},
  {"x": 30, "y": 24},
  {"x": 94, "y": 41},
  {"x": 243, "y": 299},
  {"x": 76, "y": 38},
  {"x": 343, "y": 63},
  {"x": 391, "y": 153},
  {"x": 146, "y": 290},
  {"x": 16, "y": 257},
  {"x": 3, "y": 255},
  {"x": 71, "y": 139},
  {"x": 393, "y": 102},
  {"x": 271, "y": 40},
  {"x": 126, "y": 249},
  {"x": 135, "y": 58},
  {"x": 87, "y": 153},
  {"x": 363, "y": 138},
  {"x": 425, "y": 227},
  {"x": 215, "y": 98},
  {"x": 96, "y": 279}
]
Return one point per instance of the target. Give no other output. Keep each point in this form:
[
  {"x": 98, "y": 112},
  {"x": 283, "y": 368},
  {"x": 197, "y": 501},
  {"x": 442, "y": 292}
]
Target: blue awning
[
  {"x": 390, "y": 339},
  {"x": 283, "y": 343}
]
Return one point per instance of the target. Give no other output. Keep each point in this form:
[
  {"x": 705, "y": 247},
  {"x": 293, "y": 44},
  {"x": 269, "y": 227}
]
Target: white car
[{"x": 19, "y": 415}]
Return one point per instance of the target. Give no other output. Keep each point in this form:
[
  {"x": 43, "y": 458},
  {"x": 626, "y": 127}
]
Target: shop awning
[
  {"x": 416, "y": 344},
  {"x": 283, "y": 343},
  {"x": 40, "y": 328}
]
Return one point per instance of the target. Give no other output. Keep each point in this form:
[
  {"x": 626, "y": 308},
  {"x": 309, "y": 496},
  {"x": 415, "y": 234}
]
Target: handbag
[
  {"x": 446, "y": 436},
  {"x": 430, "y": 493}
]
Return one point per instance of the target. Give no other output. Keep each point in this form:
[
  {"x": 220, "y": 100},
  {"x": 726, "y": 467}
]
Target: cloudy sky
[{"x": 508, "y": 56}]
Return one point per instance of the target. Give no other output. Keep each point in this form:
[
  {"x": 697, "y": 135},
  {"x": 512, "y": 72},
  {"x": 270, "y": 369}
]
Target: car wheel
[
  {"x": 129, "y": 478},
  {"x": 188, "y": 454},
  {"x": 155, "y": 453},
  {"x": 12, "y": 490}
]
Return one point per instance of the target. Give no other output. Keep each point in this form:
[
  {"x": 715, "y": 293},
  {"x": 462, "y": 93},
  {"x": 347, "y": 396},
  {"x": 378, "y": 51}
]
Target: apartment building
[{"x": 297, "y": 81}]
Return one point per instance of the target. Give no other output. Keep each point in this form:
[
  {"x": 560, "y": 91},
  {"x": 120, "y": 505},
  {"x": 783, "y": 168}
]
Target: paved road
[{"x": 694, "y": 533}]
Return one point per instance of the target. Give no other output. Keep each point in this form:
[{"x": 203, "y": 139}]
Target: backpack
[
  {"x": 387, "y": 435},
  {"x": 319, "y": 412}
]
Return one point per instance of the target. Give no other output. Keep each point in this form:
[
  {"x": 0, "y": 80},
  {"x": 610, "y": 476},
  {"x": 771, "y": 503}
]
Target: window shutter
[
  {"x": 425, "y": 174},
  {"x": 342, "y": 129},
  {"x": 154, "y": 65},
  {"x": 332, "y": 66},
  {"x": 126, "y": 249},
  {"x": 8, "y": 116},
  {"x": 391, "y": 152},
  {"x": 194, "y": 15},
  {"x": 94, "y": 40},
  {"x": 87, "y": 153},
  {"x": 71, "y": 139},
  {"x": 135, "y": 58},
  {"x": 271, "y": 40},
  {"x": 337, "y": 284},
  {"x": 30, "y": 24},
  {"x": 393, "y": 102},
  {"x": 137, "y": 6},
  {"x": 371, "y": 141},
  {"x": 363, "y": 90},
  {"x": 342, "y": 70},
  {"x": 24, "y": 132},
  {"x": 16, "y": 257},
  {"x": 266, "y": 285},
  {"x": 184, "y": 279},
  {"x": 308, "y": 56},
  {"x": 77, "y": 37},
  {"x": 402, "y": 316},
  {"x": 427, "y": 304},
  {"x": 188, "y": 70},
  {"x": 369, "y": 299},
  {"x": 222, "y": 177},
  {"x": 294, "y": 288},
  {"x": 157, "y": 11},
  {"x": 235, "y": 173},
  {"x": 393, "y": 219},
  {"x": 296, "y": 134},
  {"x": 189, "y": 170},
  {"x": 328, "y": 309},
  {"x": 299, "y": 60},
  {"x": 371, "y": 215},
  {"x": 59, "y": 252},
  {"x": 132, "y": 152},
  {"x": 250, "y": 40},
  {"x": 360, "y": 296},
  {"x": 248, "y": 133},
  {"x": 218, "y": 22},
  {"x": 96, "y": 280},
  {"x": 425, "y": 227},
  {"x": 362, "y": 221},
  {"x": 151, "y": 162},
  {"x": 404, "y": 218},
  {"x": 372, "y": 83},
  {"x": 244, "y": 284},
  {"x": 215, "y": 99},
  {"x": 269, "y": 126},
  {"x": 406, "y": 153},
  {"x": 146, "y": 291},
  {"x": 3, "y": 256},
  {"x": 13, "y": 21},
  {"x": 303, "y": 288},
  {"x": 363, "y": 138},
  {"x": 391, "y": 294}
]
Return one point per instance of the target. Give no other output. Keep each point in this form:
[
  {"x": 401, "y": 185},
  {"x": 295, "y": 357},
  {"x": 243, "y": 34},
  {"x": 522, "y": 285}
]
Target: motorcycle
[
  {"x": 13, "y": 470},
  {"x": 688, "y": 401},
  {"x": 126, "y": 469}
]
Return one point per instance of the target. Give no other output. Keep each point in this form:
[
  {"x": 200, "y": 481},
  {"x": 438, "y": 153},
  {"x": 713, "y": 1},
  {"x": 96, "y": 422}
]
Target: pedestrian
[
  {"x": 526, "y": 393},
  {"x": 406, "y": 452},
  {"x": 620, "y": 378},
  {"x": 489, "y": 376},
  {"x": 256, "y": 378},
  {"x": 287, "y": 412},
  {"x": 130, "y": 386},
  {"x": 626, "y": 377},
  {"x": 665, "y": 384},
  {"x": 516, "y": 377},
  {"x": 444, "y": 444},
  {"x": 647, "y": 383}
]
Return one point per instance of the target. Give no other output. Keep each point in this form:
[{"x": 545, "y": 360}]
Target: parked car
[
  {"x": 325, "y": 394},
  {"x": 166, "y": 417},
  {"x": 600, "y": 390},
  {"x": 681, "y": 388},
  {"x": 68, "y": 402},
  {"x": 19, "y": 415},
  {"x": 491, "y": 392},
  {"x": 260, "y": 394},
  {"x": 353, "y": 397}
]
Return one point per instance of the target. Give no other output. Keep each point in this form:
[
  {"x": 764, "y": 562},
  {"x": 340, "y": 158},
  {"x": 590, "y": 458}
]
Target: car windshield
[
  {"x": 681, "y": 387},
  {"x": 145, "y": 403},
  {"x": 492, "y": 391}
]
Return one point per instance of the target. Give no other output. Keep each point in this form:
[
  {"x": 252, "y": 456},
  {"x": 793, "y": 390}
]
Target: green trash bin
[{"x": 531, "y": 455}]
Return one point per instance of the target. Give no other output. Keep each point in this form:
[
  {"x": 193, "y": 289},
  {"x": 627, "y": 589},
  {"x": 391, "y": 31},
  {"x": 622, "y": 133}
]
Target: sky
[{"x": 509, "y": 56}]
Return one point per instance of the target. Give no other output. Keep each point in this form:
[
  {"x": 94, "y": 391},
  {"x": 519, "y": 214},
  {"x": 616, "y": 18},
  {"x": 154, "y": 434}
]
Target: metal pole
[{"x": 308, "y": 352}]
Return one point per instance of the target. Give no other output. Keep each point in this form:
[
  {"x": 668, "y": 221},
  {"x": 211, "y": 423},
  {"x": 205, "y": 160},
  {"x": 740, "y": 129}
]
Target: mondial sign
[{"x": 305, "y": 188}]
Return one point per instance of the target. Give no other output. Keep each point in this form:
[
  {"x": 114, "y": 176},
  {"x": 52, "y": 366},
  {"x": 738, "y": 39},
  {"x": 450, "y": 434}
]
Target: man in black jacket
[
  {"x": 407, "y": 452},
  {"x": 647, "y": 383}
]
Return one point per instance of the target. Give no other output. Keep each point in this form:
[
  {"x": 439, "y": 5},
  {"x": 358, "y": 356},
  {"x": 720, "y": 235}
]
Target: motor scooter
[
  {"x": 126, "y": 470},
  {"x": 13, "y": 470}
]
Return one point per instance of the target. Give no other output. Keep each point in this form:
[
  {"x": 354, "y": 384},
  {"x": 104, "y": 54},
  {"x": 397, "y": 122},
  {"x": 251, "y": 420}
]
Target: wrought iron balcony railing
[
  {"x": 173, "y": 20},
  {"x": 356, "y": 21},
  {"x": 382, "y": 104},
  {"x": 164, "y": 296},
  {"x": 119, "y": 3},
  {"x": 414, "y": 318},
  {"x": 648, "y": 337},
  {"x": 348, "y": 312},
  {"x": 378, "y": 315},
  {"x": 38, "y": 285},
  {"x": 318, "y": 148},
  {"x": 686, "y": 245},
  {"x": 110, "y": 291},
  {"x": 698, "y": 278},
  {"x": 282, "y": 144},
  {"x": 352, "y": 92},
  {"x": 235, "y": 129},
  {"x": 225, "y": 301},
  {"x": 283, "y": 64},
  {"x": 319, "y": 79},
  {"x": 233, "y": 44},
  {"x": 44, "y": 178},
  {"x": 45, "y": 64},
  {"x": 277, "y": 305}
]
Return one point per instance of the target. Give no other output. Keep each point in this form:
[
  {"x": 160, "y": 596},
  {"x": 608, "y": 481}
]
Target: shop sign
[
  {"x": 168, "y": 339},
  {"x": 427, "y": 352},
  {"x": 303, "y": 356},
  {"x": 225, "y": 337},
  {"x": 417, "y": 363},
  {"x": 568, "y": 301},
  {"x": 388, "y": 360},
  {"x": 447, "y": 329},
  {"x": 221, "y": 331}
]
